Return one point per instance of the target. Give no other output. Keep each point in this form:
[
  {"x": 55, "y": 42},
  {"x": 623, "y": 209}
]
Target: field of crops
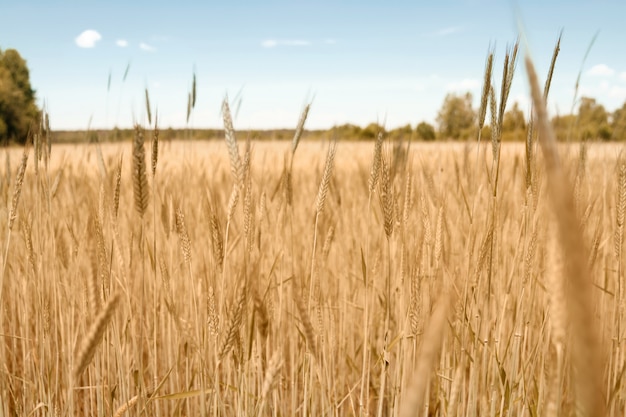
[{"x": 339, "y": 279}]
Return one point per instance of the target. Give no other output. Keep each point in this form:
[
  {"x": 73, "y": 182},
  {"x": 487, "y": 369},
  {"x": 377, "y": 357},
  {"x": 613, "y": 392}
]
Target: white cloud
[
  {"x": 465, "y": 84},
  {"x": 601, "y": 70},
  {"x": 622, "y": 76},
  {"x": 272, "y": 43},
  {"x": 451, "y": 30},
  {"x": 122, "y": 43},
  {"x": 88, "y": 39},
  {"x": 145, "y": 47},
  {"x": 269, "y": 43},
  {"x": 296, "y": 42}
]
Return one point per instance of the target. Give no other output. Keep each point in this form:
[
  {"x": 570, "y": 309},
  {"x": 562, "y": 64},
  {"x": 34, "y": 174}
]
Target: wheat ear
[
  {"x": 375, "y": 169},
  {"x": 94, "y": 335},
  {"x": 140, "y": 179},
  {"x": 155, "y": 146},
  {"x": 328, "y": 170},
  {"x": 269, "y": 379},
  {"x": 299, "y": 129},
  {"x": 231, "y": 143},
  {"x": 482, "y": 111},
  {"x": 19, "y": 180}
]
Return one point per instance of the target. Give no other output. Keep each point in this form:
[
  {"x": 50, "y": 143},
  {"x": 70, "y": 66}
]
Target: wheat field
[
  {"x": 324, "y": 278},
  {"x": 271, "y": 306}
]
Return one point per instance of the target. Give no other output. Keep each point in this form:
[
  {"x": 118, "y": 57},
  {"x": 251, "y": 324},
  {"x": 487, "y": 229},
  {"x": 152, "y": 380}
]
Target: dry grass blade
[
  {"x": 94, "y": 336},
  {"x": 587, "y": 355},
  {"x": 231, "y": 142},
  {"x": 140, "y": 178}
]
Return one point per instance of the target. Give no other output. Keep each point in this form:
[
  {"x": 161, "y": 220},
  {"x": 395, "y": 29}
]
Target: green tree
[
  {"x": 18, "y": 111},
  {"x": 618, "y": 123},
  {"x": 514, "y": 124},
  {"x": 425, "y": 131},
  {"x": 563, "y": 126},
  {"x": 514, "y": 119},
  {"x": 371, "y": 131},
  {"x": 593, "y": 120},
  {"x": 401, "y": 133},
  {"x": 456, "y": 117}
]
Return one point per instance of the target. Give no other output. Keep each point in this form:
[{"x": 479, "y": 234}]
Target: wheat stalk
[
  {"x": 555, "y": 54},
  {"x": 155, "y": 146},
  {"x": 19, "y": 180},
  {"x": 376, "y": 161},
  {"x": 309, "y": 333},
  {"x": 234, "y": 322},
  {"x": 386, "y": 198},
  {"x": 268, "y": 380},
  {"x": 217, "y": 241},
  {"x": 213, "y": 321},
  {"x": 117, "y": 187},
  {"x": 148, "y": 110},
  {"x": 328, "y": 170},
  {"x": 413, "y": 403},
  {"x": 183, "y": 235},
  {"x": 231, "y": 143},
  {"x": 17, "y": 191},
  {"x": 94, "y": 335},
  {"x": 140, "y": 179},
  {"x": 586, "y": 353},
  {"x": 482, "y": 110},
  {"x": 299, "y": 129},
  {"x": 126, "y": 406}
]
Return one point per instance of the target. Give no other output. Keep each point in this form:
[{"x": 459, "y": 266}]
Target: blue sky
[{"x": 361, "y": 61}]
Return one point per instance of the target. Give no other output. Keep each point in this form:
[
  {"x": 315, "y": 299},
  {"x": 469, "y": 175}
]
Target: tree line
[
  {"x": 456, "y": 119},
  {"x": 18, "y": 112}
]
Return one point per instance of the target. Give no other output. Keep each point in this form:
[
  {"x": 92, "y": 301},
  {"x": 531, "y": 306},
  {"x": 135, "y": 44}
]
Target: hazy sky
[{"x": 361, "y": 61}]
